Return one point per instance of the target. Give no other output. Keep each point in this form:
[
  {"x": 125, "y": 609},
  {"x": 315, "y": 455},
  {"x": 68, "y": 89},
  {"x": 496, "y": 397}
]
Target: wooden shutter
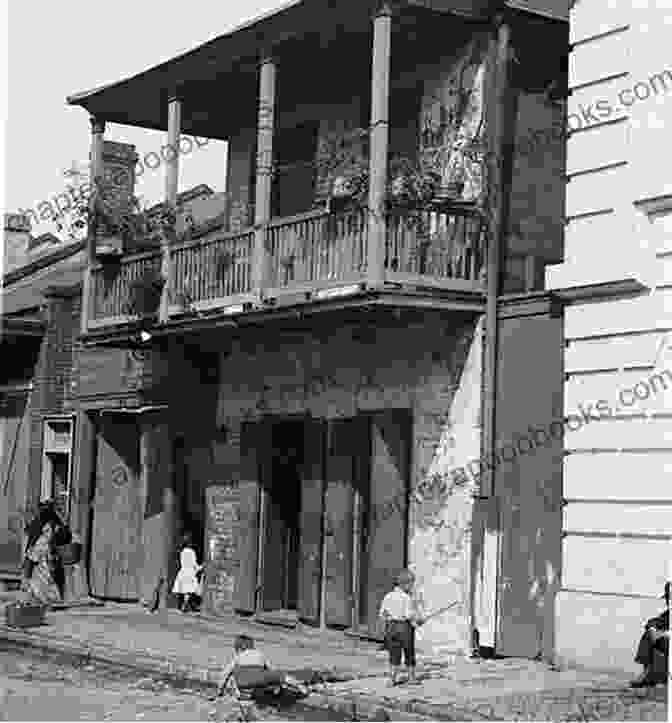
[
  {"x": 14, "y": 453},
  {"x": 338, "y": 524},
  {"x": 116, "y": 552},
  {"x": 247, "y": 532},
  {"x": 312, "y": 495},
  {"x": 385, "y": 551}
]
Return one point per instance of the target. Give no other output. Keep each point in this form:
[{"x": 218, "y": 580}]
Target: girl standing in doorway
[{"x": 187, "y": 583}]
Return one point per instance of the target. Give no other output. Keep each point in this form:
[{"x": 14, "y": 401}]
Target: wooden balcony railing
[
  {"x": 441, "y": 244},
  {"x": 443, "y": 248},
  {"x": 111, "y": 284},
  {"x": 211, "y": 269},
  {"x": 317, "y": 246}
]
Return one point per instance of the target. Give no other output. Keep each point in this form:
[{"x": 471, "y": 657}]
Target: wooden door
[
  {"x": 294, "y": 183},
  {"x": 116, "y": 547},
  {"x": 274, "y": 529},
  {"x": 14, "y": 453},
  {"x": 384, "y": 553},
  {"x": 338, "y": 527},
  {"x": 529, "y": 487},
  {"x": 312, "y": 511},
  {"x": 247, "y": 529}
]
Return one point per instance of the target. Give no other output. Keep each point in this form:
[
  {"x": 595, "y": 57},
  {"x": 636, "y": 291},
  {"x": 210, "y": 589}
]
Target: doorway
[
  {"x": 293, "y": 189},
  {"x": 281, "y": 517},
  {"x": 116, "y": 532},
  {"x": 381, "y": 489}
]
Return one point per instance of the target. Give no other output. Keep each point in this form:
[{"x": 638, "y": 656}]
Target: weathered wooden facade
[
  {"x": 40, "y": 322},
  {"x": 312, "y": 366}
]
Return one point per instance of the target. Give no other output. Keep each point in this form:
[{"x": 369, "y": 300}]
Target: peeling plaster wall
[
  {"x": 441, "y": 529},
  {"x": 432, "y": 368}
]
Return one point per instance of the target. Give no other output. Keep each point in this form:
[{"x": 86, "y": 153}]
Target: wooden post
[
  {"x": 96, "y": 174},
  {"x": 172, "y": 183},
  {"x": 76, "y": 584},
  {"x": 499, "y": 190},
  {"x": 379, "y": 138},
  {"x": 264, "y": 166},
  {"x": 173, "y": 140},
  {"x": 487, "y": 536}
]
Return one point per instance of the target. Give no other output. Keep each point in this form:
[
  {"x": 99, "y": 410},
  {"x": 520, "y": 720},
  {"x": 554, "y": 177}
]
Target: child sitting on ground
[
  {"x": 400, "y": 612},
  {"x": 249, "y": 670}
]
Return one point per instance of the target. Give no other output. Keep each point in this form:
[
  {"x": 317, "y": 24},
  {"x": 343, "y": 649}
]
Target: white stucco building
[{"x": 616, "y": 280}]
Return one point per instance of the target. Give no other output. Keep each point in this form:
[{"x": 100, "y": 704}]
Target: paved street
[
  {"x": 167, "y": 644},
  {"x": 34, "y": 687}
]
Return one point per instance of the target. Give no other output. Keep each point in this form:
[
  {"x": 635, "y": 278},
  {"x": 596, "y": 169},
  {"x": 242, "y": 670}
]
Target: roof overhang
[
  {"x": 21, "y": 327},
  {"x": 142, "y": 99}
]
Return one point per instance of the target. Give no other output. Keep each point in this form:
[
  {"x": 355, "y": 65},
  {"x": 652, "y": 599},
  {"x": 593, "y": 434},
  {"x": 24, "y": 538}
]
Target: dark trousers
[
  {"x": 400, "y": 637},
  {"x": 647, "y": 649},
  {"x": 654, "y": 653}
]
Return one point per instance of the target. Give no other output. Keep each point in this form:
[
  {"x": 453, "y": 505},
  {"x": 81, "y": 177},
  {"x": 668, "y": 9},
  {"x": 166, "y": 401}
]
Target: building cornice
[
  {"x": 12, "y": 277},
  {"x": 617, "y": 288},
  {"x": 655, "y": 207}
]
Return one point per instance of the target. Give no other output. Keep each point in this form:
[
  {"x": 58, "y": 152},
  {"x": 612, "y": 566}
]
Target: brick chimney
[
  {"x": 119, "y": 161},
  {"x": 16, "y": 239}
]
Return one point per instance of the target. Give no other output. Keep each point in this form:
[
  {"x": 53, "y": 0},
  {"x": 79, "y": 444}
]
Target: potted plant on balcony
[{"x": 120, "y": 223}]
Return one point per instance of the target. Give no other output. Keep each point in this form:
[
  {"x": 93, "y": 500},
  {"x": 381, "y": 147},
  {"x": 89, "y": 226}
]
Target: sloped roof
[
  {"x": 141, "y": 100},
  {"x": 25, "y": 288}
]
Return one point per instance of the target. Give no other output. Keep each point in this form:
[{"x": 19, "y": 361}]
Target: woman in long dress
[
  {"x": 187, "y": 583},
  {"x": 41, "y": 585}
]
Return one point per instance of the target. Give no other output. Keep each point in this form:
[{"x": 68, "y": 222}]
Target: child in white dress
[{"x": 187, "y": 583}]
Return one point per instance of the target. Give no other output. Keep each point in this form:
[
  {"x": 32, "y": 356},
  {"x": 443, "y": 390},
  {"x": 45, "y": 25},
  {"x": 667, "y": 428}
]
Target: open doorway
[
  {"x": 189, "y": 472},
  {"x": 281, "y": 515}
]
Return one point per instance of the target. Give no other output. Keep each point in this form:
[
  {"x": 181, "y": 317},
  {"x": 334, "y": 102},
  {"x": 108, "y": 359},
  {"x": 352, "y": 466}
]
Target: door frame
[
  {"x": 358, "y": 628},
  {"x": 268, "y": 419}
]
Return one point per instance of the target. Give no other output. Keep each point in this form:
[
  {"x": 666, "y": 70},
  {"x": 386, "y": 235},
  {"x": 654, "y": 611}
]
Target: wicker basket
[
  {"x": 71, "y": 553},
  {"x": 26, "y": 615}
]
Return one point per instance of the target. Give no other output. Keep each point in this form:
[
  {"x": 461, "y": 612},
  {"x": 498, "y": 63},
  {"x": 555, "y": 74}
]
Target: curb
[{"x": 352, "y": 707}]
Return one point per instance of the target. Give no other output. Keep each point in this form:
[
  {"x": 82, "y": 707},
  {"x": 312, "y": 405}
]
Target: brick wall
[{"x": 53, "y": 376}]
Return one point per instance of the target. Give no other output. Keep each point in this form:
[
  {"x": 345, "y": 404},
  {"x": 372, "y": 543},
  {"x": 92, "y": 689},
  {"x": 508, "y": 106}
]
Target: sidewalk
[{"x": 450, "y": 688}]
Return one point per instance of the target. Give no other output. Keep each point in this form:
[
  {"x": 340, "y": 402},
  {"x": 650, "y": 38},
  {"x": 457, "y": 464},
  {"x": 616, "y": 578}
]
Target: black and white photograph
[{"x": 336, "y": 360}]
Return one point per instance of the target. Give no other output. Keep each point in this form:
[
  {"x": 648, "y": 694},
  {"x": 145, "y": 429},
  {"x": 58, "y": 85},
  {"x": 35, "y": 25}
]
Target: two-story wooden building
[{"x": 314, "y": 360}]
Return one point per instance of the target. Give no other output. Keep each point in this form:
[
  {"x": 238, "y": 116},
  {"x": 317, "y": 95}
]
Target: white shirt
[
  {"x": 397, "y": 605},
  {"x": 188, "y": 560},
  {"x": 245, "y": 657}
]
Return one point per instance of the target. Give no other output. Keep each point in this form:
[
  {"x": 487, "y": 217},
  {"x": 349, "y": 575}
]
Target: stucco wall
[
  {"x": 432, "y": 367},
  {"x": 617, "y": 528}
]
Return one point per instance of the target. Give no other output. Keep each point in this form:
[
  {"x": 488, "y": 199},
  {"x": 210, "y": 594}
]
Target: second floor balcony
[
  {"x": 425, "y": 83},
  {"x": 313, "y": 256}
]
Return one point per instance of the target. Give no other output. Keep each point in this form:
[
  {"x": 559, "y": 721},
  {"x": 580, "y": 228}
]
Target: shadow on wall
[{"x": 442, "y": 515}]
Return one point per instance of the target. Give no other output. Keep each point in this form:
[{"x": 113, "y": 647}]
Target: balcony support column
[
  {"x": 172, "y": 185},
  {"x": 96, "y": 175},
  {"x": 379, "y": 141},
  {"x": 264, "y": 169}
]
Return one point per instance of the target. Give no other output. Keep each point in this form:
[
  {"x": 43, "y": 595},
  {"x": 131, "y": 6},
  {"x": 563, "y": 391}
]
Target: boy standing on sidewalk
[{"x": 400, "y": 612}]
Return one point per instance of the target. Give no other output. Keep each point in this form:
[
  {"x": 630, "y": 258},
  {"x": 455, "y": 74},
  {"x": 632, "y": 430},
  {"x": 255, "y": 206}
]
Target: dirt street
[{"x": 37, "y": 687}]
